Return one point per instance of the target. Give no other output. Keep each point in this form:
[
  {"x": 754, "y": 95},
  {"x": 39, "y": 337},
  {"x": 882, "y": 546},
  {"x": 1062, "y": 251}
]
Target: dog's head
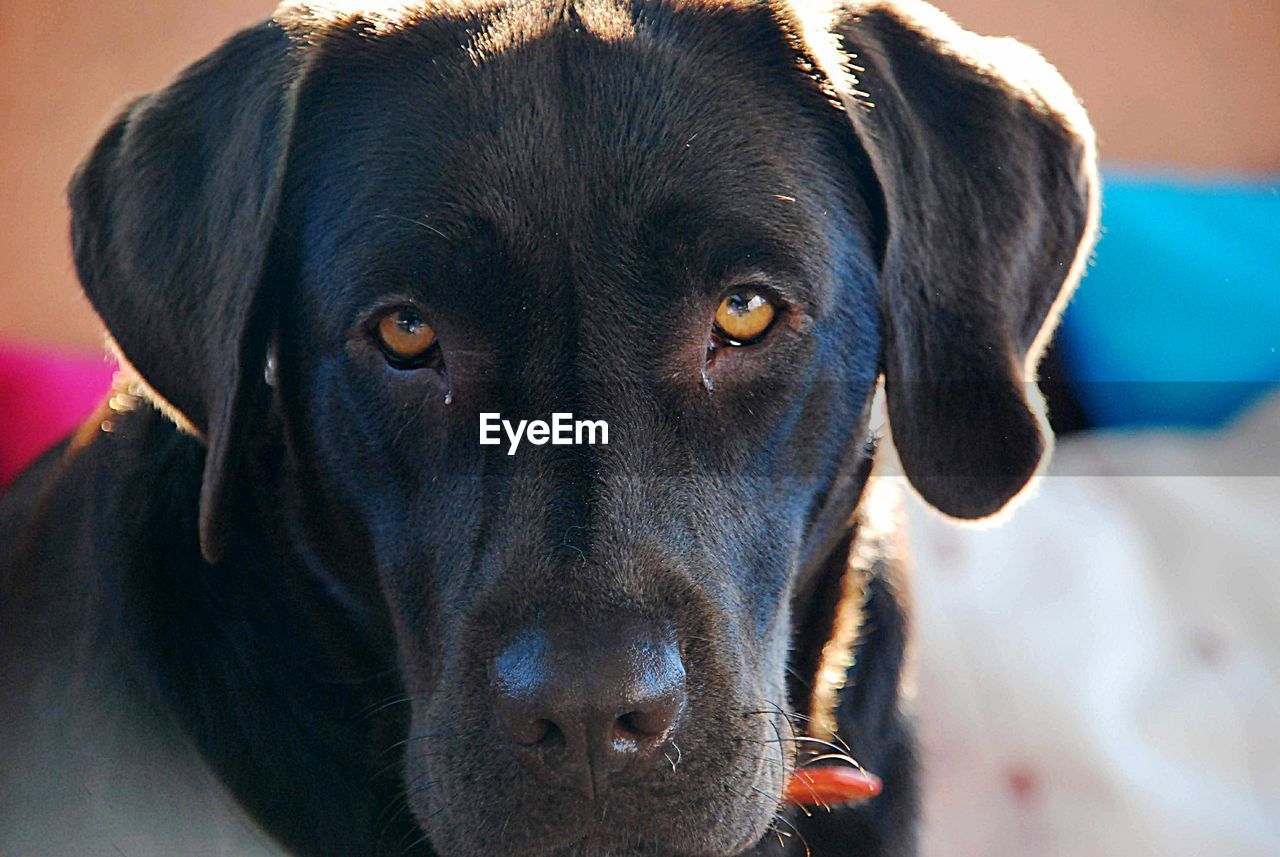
[{"x": 698, "y": 222}]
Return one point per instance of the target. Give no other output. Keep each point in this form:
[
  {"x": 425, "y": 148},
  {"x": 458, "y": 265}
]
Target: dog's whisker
[
  {"x": 797, "y": 740},
  {"x": 807, "y": 851},
  {"x": 786, "y": 778},
  {"x": 779, "y": 816},
  {"x": 791, "y": 671},
  {"x": 770, "y": 759},
  {"x": 774, "y": 726},
  {"x": 375, "y": 706},
  {"x": 806, "y": 739},
  {"x": 765, "y": 794},
  {"x": 388, "y": 768},
  {"x": 422, "y": 787},
  {"x": 412, "y": 739},
  {"x": 400, "y": 699},
  {"x": 842, "y": 750},
  {"x": 422, "y": 838},
  {"x": 389, "y": 815},
  {"x": 843, "y": 757},
  {"x": 817, "y": 799},
  {"x": 795, "y": 715},
  {"x": 402, "y": 805},
  {"x": 679, "y": 756},
  {"x": 759, "y": 793}
]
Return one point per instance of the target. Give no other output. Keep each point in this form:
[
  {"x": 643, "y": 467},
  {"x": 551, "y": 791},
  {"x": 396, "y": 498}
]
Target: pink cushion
[{"x": 45, "y": 394}]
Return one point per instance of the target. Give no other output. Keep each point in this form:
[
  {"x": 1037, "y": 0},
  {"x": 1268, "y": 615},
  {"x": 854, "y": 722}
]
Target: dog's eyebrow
[
  {"x": 724, "y": 247},
  {"x": 444, "y": 228},
  {"x": 409, "y": 246},
  {"x": 423, "y": 223}
]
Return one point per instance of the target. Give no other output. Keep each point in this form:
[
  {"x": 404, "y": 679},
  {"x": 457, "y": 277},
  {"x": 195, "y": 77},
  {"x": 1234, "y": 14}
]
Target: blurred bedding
[{"x": 1102, "y": 675}]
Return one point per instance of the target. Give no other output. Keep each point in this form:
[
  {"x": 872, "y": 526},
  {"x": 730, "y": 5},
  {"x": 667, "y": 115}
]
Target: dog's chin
[
  {"x": 449, "y": 832},
  {"x": 614, "y": 844},
  {"x": 711, "y": 805},
  {"x": 614, "y": 847}
]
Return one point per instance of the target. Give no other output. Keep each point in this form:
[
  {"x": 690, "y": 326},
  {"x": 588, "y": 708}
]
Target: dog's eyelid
[
  {"x": 369, "y": 314},
  {"x": 751, "y": 278},
  {"x": 784, "y": 290}
]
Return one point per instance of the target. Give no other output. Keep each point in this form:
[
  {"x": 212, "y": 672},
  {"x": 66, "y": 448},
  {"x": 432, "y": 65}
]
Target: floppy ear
[
  {"x": 986, "y": 162},
  {"x": 172, "y": 220}
]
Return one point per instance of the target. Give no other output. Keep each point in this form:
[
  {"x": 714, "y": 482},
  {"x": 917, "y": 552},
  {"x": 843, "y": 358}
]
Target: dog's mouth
[
  {"x": 690, "y": 804},
  {"x": 813, "y": 775},
  {"x": 835, "y": 780}
]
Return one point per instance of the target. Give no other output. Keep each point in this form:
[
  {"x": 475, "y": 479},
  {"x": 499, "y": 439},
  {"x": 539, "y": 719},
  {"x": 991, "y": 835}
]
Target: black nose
[{"x": 586, "y": 707}]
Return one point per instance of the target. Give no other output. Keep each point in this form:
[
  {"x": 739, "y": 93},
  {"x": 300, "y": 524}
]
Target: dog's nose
[{"x": 588, "y": 707}]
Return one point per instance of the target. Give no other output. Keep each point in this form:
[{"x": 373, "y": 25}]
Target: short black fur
[{"x": 295, "y": 588}]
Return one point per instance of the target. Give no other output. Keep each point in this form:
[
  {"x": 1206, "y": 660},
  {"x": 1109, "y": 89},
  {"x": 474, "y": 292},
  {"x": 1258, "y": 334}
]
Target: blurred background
[{"x": 1102, "y": 674}]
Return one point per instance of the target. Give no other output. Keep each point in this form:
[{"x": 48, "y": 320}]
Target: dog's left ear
[
  {"x": 986, "y": 163},
  {"x": 173, "y": 216}
]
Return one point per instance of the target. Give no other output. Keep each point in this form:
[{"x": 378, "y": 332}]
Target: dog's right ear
[{"x": 173, "y": 218}]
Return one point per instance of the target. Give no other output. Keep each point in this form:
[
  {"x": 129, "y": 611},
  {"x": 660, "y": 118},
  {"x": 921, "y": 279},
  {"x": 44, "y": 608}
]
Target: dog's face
[
  {"x": 660, "y": 218},
  {"x": 568, "y": 218}
]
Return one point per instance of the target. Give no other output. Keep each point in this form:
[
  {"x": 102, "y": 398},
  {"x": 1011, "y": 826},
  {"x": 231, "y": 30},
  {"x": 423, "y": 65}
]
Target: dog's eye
[
  {"x": 405, "y": 338},
  {"x": 744, "y": 316}
]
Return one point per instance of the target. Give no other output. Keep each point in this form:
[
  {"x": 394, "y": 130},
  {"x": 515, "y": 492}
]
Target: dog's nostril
[
  {"x": 531, "y": 733},
  {"x": 638, "y": 725},
  {"x": 627, "y": 727}
]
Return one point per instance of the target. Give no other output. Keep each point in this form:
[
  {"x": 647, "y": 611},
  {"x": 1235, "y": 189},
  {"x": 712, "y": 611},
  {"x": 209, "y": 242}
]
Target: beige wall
[
  {"x": 64, "y": 67},
  {"x": 1191, "y": 82},
  {"x": 1174, "y": 81}
]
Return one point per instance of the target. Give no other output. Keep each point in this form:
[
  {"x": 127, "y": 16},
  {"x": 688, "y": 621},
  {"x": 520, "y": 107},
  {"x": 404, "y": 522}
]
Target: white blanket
[{"x": 1100, "y": 675}]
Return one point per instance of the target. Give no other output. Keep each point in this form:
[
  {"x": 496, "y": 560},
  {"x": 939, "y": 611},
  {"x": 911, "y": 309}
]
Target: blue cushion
[{"x": 1178, "y": 322}]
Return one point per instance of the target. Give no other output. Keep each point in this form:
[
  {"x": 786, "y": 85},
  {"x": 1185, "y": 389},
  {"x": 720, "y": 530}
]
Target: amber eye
[
  {"x": 405, "y": 338},
  {"x": 744, "y": 316}
]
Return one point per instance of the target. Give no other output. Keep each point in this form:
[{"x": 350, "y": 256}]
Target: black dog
[{"x": 299, "y": 586}]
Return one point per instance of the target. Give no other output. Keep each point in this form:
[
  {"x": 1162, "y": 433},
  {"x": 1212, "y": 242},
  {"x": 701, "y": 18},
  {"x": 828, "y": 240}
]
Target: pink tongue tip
[{"x": 830, "y": 786}]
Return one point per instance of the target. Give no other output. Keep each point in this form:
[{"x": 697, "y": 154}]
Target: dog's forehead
[{"x": 548, "y": 119}]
